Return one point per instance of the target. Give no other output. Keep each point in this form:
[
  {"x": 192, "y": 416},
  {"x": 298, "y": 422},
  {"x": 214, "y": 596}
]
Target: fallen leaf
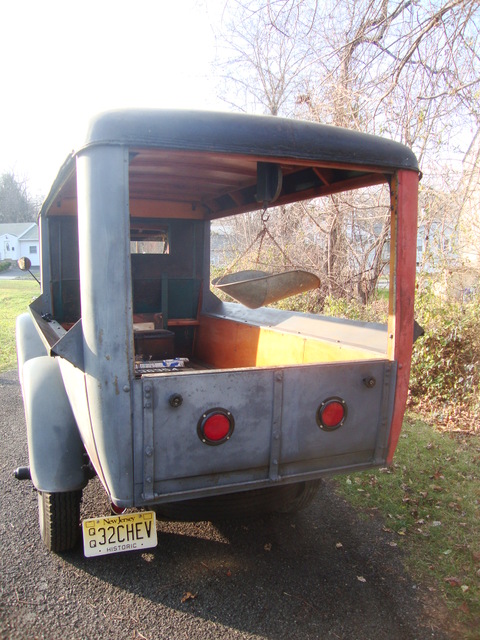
[
  {"x": 361, "y": 579},
  {"x": 464, "y": 608},
  {"x": 268, "y": 546},
  {"x": 229, "y": 573},
  {"x": 189, "y": 596},
  {"x": 452, "y": 581},
  {"x": 464, "y": 588},
  {"x": 339, "y": 545}
]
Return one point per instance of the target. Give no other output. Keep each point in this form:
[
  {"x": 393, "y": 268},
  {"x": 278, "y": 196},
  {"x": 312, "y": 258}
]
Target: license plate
[{"x": 114, "y": 534}]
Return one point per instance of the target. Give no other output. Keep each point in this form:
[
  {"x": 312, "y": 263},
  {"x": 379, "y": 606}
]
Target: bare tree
[
  {"x": 403, "y": 69},
  {"x": 16, "y": 205}
]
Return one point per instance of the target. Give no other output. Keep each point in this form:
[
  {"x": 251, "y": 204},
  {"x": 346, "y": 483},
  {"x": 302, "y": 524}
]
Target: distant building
[
  {"x": 20, "y": 239},
  {"x": 470, "y": 213}
]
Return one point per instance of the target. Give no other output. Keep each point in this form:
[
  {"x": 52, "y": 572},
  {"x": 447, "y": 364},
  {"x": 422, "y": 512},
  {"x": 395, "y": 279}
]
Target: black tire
[
  {"x": 59, "y": 519},
  {"x": 306, "y": 493},
  {"x": 258, "y": 502}
]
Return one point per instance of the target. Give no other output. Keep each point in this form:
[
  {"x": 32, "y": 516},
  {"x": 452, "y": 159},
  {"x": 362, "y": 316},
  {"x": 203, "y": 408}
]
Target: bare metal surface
[{"x": 256, "y": 289}]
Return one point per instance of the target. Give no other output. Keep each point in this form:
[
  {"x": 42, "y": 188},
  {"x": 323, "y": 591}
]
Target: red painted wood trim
[{"x": 406, "y": 255}]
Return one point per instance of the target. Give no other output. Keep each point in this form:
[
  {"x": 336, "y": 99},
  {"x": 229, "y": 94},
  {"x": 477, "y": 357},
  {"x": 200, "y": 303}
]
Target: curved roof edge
[{"x": 224, "y": 132}]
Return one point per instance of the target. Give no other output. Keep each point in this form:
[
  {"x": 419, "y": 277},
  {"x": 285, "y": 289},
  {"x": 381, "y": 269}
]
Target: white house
[{"x": 20, "y": 239}]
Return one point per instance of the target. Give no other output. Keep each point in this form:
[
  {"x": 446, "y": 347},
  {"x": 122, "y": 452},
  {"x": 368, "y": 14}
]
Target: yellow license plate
[{"x": 114, "y": 534}]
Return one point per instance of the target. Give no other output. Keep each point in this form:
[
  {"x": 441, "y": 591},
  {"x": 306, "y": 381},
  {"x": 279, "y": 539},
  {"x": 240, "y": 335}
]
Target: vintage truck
[{"x": 133, "y": 369}]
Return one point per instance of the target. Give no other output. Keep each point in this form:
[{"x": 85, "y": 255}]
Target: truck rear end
[{"x": 176, "y": 395}]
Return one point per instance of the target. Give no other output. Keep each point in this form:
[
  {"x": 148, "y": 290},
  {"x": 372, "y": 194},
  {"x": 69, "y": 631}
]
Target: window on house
[{"x": 32, "y": 249}]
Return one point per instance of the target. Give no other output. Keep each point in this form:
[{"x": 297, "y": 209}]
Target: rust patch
[{"x": 117, "y": 390}]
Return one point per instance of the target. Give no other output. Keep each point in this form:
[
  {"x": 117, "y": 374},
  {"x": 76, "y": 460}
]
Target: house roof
[{"x": 21, "y": 230}]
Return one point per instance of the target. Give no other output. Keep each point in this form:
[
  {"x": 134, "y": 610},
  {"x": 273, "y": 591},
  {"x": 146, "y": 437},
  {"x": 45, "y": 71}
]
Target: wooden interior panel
[{"x": 226, "y": 344}]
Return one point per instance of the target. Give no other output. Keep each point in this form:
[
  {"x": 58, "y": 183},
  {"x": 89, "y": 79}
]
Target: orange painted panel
[{"x": 226, "y": 344}]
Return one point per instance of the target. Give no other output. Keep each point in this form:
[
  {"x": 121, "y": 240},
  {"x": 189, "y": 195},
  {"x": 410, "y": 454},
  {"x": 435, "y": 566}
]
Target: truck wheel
[
  {"x": 306, "y": 492},
  {"x": 59, "y": 519}
]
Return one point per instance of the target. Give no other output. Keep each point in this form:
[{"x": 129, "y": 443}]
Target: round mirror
[{"x": 24, "y": 264}]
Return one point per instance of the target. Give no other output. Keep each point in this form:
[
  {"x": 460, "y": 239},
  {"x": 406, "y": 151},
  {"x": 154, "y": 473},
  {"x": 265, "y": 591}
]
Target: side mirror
[{"x": 24, "y": 264}]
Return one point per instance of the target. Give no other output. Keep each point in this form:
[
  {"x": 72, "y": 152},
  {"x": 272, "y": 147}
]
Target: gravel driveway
[{"x": 281, "y": 577}]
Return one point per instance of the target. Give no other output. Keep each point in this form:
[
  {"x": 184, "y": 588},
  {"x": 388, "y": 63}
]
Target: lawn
[
  {"x": 429, "y": 501},
  {"x": 15, "y": 296}
]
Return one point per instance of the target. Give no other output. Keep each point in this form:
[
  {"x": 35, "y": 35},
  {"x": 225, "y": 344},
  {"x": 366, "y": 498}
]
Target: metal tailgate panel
[
  {"x": 180, "y": 458},
  {"x": 363, "y": 435},
  {"x": 276, "y": 435}
]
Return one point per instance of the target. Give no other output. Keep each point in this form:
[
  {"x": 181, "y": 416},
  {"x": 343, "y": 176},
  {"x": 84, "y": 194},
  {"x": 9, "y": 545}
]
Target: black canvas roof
[{"x": 247, "y": 134}]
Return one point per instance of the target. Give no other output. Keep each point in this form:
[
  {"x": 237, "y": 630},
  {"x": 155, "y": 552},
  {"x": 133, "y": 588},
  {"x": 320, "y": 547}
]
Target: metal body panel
[
  {"x": 74, "y": 383},
  {"x": 302, "y": 439},
  {"x": 103, "y": 229},
  {"x": 45, "y": 267},
  {"x": 28, "y": 342},
  {"x": 276, "y": 436},
  {"x": 55, "y": 448}
]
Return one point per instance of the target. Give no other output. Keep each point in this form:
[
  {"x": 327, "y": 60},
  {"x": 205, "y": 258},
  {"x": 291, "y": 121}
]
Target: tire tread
[{"x": 59, "y": 515}]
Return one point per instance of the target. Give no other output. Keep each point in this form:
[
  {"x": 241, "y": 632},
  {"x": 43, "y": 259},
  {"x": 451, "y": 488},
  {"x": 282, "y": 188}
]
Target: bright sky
[{"x": 65, "y": 61}]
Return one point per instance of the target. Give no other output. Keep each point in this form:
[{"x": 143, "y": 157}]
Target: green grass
[
  {"x": 15, "y": 296},
  {"x": 429, "y": 500}
]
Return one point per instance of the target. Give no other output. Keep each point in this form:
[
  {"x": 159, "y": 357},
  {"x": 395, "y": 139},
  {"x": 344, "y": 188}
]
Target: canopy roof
[{"x": 206, "y": 165}]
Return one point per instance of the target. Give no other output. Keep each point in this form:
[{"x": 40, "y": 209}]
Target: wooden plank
[{"x": 406, "y": 256}]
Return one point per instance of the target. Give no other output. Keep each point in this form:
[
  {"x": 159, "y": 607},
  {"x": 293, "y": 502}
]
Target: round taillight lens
[
  {"x": 215, "y": 426},
  {"x": 331, "y": 414}
]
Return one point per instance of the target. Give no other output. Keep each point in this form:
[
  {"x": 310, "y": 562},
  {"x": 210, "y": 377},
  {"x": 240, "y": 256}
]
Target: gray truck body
[{"x": 268, "y": 371}]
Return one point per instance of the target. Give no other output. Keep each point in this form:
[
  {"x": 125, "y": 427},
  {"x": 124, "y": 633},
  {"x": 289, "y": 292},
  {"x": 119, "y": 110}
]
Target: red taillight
[
  {"x": 118, "y": 511},
  {"x": 331, "y": 414},
  {"x": 215, "y": 426}
]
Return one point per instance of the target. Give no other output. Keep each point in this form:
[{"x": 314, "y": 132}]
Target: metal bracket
[
  {"x": 385, "y": 412},
  {"x": 148, "y": 444},
  {"x": 276, "y": 437}
]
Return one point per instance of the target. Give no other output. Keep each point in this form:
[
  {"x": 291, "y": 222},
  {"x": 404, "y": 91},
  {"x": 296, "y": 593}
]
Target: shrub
[
  {"x": 4, "y": 265},
  {"x": 445, "y": 363}
]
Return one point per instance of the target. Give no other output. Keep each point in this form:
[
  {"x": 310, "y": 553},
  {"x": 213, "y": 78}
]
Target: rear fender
[
  {"x": 29, "y": 343},
  {"x": 55, "y": 448}
]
